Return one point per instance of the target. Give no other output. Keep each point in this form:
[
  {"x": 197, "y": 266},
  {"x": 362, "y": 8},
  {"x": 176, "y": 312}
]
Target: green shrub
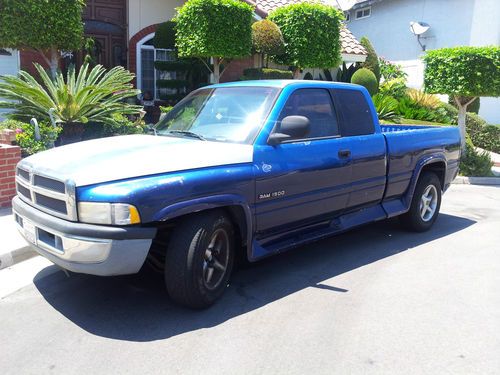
[
  {"x": 165, "y": 35},
  {"x": 265, "y": 73},
  {"x": 395, "y": 87},
  {"x": 474, "y": 163},
  {"x": 489, "y": 138},
  {"x": 389, "y": 70},
  {"x": 366, "y": 78},
  {"x": 25, "y": 136},
  {"x": 451, "y": 112},
  {"x": 423, "y": 99},
  {"x": 267, "y": 39},
  {"x": 371, "y": 62},
  {"x": 91, "y": 95},
  {"x": 411, "y": 109},
  {"x": 311, "y": 32},
  {"x": 214, "y": 28},
  {"x": 386, "y": 107}
]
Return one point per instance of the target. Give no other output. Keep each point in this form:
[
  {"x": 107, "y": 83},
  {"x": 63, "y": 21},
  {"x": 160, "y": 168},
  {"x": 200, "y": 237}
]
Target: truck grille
[{"x": 46, "y": 193}]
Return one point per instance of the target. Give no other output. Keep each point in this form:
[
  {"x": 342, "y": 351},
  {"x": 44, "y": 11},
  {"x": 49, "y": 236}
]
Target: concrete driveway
[{"x": 375, "y": 300}]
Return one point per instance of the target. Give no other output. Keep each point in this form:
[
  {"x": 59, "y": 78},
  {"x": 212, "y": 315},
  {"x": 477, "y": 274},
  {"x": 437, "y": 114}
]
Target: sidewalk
[{"x": 13, "y": 248}]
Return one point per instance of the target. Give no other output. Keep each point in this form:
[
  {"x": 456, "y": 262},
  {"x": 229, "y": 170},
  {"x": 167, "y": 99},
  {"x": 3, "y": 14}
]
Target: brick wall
[
  {"x": 9, "y": 157},
  {"x": 234, "y": 70},
  {"x": 28, "y": 57}
]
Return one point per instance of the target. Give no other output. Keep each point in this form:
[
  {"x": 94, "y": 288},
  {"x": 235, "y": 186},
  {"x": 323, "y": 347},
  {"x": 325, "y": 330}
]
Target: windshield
[{"x": 227, "y": 114}]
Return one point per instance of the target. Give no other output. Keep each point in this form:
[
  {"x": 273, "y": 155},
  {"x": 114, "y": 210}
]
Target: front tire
[
  {"x": 425, "y": 204},
  {"x": 200, "y": 259}
]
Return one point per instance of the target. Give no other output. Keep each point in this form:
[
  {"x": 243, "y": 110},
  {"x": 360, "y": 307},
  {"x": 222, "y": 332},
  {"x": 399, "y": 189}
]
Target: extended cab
[{"x": 240, "y": 169}]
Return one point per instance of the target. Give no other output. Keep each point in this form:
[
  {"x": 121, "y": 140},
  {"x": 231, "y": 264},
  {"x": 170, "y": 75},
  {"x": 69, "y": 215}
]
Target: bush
[
  {"x": 371, "y": 62},
  {"x": 89, "y": 96},
  {"x": 265, "y": 73},
  {"x": 410, "y": 109},
  {"x": 489, "y": 138},
  {"x": 366, "y": 78},
  {"x": 423, "y": 99},
  {"x": 345, "y": 74},
  {"x": 267, "y": 38},
  {"x": 311, "y": 32},
  {"x": 389, "y": 70},
  {"x": 395, "y": 87},
  {"x": 474, "y": 163},
  {"x": 386, "y": 107},
  {"x": 214, "y": 28},
  {"x": 25, "y": 136},
  {"x": 165, "y": 35}
]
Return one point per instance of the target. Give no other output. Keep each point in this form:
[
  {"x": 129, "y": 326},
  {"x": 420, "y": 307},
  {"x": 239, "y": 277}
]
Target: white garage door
[{"x": 9, "y": 64}]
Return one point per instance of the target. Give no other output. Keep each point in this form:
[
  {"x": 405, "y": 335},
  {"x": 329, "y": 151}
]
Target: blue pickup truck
[{"x": 243, "y": 169}]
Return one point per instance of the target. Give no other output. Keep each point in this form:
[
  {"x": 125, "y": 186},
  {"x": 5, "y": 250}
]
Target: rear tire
[
  {"x": 425, "y": 204},
  {"x": 200, "y": 259}
]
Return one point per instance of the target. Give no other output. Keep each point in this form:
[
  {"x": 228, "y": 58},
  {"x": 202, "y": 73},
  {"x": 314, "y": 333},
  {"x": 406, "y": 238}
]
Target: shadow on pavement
[{"x": 136, "y": 308}]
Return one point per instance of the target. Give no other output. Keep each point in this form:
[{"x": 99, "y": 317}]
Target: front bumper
[{"x": 84, "y": 248}]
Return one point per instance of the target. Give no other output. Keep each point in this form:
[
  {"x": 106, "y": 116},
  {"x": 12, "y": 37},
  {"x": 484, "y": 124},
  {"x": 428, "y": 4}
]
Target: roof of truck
[{"x": 281, "y": 83}]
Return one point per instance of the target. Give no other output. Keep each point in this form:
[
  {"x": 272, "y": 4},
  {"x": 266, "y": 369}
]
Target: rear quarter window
[{"x": 355, "y": 114}]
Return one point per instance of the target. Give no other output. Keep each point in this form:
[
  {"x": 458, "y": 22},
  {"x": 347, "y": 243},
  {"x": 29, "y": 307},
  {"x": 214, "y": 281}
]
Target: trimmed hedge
[
  {"x": 463, "y": 71},
  {"x": 311, "y": 32},
  {"x": 265, "y": 73},
  {"x": 165, "y": 35},
  {"x": 474, "y": 163},
  {"x": 371, "y": 61},
  {"x": 366, "y": 78},
  {"x": 267, "y": 38}
]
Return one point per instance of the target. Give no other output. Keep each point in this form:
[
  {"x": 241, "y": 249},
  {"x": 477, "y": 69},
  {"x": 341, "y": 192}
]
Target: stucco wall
[
  {"x": 9, "y": 65},
  {"x": 453, "y": 23},
  {"x": 142, "y": 13}
]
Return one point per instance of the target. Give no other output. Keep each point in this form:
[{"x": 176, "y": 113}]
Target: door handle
[{"x": 344, "y": 153}]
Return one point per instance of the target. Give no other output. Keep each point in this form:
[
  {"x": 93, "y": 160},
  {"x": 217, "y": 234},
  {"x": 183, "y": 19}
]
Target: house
[
  {"x": 443, "y": 23},
  {"x": 9, "y": 65}
]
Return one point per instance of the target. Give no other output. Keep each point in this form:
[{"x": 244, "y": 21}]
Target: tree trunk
[
  {"x": 216, "y": 70},
  {"x": 54, "y": 62},
  {"x": 462, "y": 102},
  {"x": 296, "y": 73}
]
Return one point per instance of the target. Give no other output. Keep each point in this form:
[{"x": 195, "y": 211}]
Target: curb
[
  {"x": 16, "y": 256},
  {"x": 491, "y": 181}
]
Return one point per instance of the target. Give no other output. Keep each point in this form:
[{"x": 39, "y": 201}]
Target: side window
[
  {"x": 316, "y": 105},
  {"x": 356, "y": 117}
]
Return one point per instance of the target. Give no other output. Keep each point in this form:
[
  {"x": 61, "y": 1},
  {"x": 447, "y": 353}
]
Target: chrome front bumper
[{"x": 83, "y": 248}]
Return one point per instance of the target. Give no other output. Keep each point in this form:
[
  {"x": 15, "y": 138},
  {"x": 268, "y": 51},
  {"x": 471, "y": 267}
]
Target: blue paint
[{"x": 299, "y": 191}]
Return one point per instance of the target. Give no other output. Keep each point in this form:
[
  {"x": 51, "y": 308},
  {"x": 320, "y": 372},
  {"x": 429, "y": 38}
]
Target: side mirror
[{"x": 292, "y": 127}]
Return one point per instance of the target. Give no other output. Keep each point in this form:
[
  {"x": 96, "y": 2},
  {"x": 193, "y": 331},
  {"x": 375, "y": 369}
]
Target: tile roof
[{"x": 350, "y": 45}]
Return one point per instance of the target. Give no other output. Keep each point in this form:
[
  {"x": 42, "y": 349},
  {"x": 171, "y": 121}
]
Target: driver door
[{"x": 302, "y": 181}]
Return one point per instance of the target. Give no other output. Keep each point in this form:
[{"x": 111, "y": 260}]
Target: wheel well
[
  {"x": 438, "y": 168},
  {"x": 236, "y": 214}
]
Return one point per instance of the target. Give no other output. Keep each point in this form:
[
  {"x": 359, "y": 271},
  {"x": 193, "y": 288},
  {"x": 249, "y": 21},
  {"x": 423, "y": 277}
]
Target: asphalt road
[{"x": 375, "y": 300}]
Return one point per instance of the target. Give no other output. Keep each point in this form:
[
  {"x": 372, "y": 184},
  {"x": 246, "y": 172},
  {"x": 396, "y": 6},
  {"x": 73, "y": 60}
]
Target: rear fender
[{"x": 426, "y": 160}]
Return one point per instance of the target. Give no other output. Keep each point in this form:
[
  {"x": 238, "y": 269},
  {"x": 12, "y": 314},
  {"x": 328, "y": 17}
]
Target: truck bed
[{"x": 408, "y": 145}]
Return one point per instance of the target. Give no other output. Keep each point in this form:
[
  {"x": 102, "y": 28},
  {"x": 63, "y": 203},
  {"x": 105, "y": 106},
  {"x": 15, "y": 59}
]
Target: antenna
[{"x": 419, "y": 28}]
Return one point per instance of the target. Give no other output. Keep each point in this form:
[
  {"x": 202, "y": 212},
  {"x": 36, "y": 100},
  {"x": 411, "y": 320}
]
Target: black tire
[
  {"x": 188, "y": 260},
  {"x": 414, "y": 219}
]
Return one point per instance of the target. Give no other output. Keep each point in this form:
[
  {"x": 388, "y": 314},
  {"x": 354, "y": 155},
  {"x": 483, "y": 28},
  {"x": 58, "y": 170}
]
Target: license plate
[{"x": 29, "y": 231}]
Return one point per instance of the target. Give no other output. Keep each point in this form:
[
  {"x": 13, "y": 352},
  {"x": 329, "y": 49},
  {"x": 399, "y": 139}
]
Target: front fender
[{"x": 206, "y": 203}]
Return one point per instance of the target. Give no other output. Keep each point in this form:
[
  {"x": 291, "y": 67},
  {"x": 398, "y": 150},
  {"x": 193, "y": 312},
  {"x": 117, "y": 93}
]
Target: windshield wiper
[{"x": 187, "y": 134}]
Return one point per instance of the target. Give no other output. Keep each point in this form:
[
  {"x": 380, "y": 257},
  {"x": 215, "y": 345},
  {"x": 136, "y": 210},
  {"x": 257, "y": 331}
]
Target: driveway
[{"x": 374, "y": 300}]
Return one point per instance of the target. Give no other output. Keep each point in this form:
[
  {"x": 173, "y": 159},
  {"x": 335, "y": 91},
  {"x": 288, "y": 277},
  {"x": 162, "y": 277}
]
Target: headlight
[{"x": 108, "y": 213}]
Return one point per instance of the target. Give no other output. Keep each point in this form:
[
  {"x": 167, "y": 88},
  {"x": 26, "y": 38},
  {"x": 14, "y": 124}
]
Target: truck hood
[{"x": 117, "y": 158}]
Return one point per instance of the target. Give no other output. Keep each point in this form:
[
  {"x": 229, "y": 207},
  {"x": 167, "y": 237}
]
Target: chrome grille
[{"x": 46, "y": 193}]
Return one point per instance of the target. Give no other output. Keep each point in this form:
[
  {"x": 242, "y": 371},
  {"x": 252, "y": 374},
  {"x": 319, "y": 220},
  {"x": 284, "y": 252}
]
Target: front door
[{"x": 304, "y": 181}]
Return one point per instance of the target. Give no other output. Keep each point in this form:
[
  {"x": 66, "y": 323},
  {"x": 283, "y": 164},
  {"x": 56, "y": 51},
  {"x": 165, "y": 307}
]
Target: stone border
[
  {"x": 491, "y": 181},
  {"x": 16, "y": 256}
]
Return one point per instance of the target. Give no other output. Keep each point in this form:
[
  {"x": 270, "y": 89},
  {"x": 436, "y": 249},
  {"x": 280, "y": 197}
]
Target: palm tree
[{"x": 89, "y": 96}]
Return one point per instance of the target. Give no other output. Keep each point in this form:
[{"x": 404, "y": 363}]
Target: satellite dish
[{"x": 418, "y": 28}]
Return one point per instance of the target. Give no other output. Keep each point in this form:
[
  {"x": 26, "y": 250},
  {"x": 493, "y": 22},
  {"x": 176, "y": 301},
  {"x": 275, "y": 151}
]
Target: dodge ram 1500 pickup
[{"x": 243, "y": 169}]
